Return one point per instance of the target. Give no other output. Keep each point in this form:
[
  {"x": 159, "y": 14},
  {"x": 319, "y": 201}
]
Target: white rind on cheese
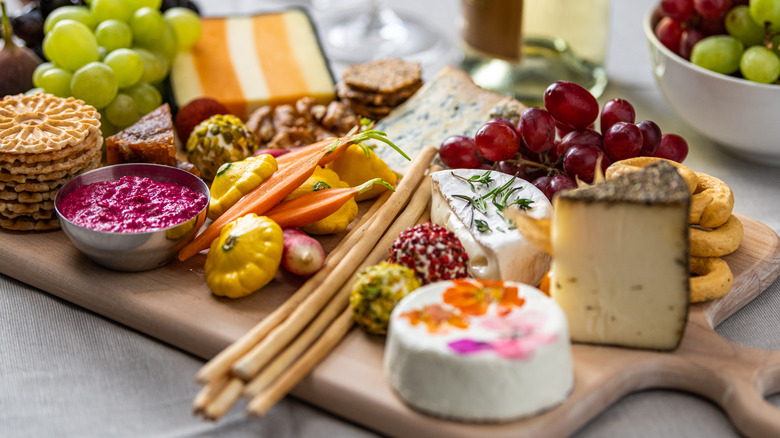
[
  {"x": 501, "y": 253},
  {"x": 450, "y": 104},
  {"x": 431, "y": 377}
]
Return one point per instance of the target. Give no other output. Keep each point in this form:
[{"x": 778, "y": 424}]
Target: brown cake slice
[{"x": 149, "y": 140}]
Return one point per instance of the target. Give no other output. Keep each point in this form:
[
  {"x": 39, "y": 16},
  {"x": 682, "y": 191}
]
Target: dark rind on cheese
[{"x": 659, "y": 183}]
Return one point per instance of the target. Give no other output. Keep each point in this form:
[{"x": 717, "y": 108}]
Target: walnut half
[{"x": 302, "y": 123}]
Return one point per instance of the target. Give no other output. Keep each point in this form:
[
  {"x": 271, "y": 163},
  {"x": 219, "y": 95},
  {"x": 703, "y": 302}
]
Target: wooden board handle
[{"x": 734, "y": 377}]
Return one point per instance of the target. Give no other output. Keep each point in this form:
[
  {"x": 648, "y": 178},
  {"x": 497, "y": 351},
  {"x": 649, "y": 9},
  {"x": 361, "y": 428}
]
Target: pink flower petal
[{"x": 469, "y": 346}]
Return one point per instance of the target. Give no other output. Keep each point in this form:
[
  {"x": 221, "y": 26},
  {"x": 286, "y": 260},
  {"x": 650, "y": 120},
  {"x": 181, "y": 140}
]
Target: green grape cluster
[
  {"x": 750, "y": 47},
  {"x": 114, "y": 54}
]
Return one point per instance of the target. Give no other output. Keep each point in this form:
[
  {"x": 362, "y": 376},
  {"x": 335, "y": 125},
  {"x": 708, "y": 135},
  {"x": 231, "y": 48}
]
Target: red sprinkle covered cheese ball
[{"x": 432, "y": 251}]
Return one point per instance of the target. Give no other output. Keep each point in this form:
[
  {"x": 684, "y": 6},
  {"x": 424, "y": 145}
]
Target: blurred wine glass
[{"x": 375, "y": 31}]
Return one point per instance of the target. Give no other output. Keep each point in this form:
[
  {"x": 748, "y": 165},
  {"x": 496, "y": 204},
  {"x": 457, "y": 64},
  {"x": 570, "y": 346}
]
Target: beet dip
[{"x": 131, "y": 204}]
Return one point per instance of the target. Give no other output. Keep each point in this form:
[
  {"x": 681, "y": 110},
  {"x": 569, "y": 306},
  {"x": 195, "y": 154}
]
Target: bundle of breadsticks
[{"x": 269, "y": 360}]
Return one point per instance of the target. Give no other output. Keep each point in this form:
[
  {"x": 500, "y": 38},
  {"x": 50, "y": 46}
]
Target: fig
[
  {"x": 196, "y": 111},
  {"x": 16, "y": 63}
]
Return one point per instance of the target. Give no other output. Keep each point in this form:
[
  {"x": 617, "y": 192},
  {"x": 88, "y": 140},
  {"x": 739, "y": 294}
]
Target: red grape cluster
[
  {"x": 683, "y": 23},
  {"x": 553, "y": 147}
]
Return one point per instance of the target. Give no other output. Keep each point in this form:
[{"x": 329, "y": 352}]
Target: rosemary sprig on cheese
[
  {"x": 499, "y": 197},
  {"x": 482, "y": 226},
  {"x": 483, "y": 179}
]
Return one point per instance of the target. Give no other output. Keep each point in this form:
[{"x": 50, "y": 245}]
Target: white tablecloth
[{"x": 70, "y": 373}]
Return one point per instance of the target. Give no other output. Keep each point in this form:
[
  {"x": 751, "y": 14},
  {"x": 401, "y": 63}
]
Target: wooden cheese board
[{"x": 174, "y": 305}]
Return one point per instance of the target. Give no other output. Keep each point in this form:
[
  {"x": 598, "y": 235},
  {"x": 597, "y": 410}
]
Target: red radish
[{"x": 302, "y": 255}]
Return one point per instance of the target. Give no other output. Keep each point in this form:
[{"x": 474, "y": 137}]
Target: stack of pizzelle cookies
[
  {"x": 373, "y": 89},
  {"x": 44, "y": 142},
  {"x": 714, "y": 230}
]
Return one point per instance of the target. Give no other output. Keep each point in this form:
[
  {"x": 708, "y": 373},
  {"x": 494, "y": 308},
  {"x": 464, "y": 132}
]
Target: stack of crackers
[
  {"x": 44, "y": 142},
  {"x": 373, "y": 89}
]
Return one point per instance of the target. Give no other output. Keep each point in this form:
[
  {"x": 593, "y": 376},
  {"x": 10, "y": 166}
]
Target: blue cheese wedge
[
  {"x": 469, "y": 202},
  {"x": 620, "y": 271},
  {"x": 450, "y": 104}
]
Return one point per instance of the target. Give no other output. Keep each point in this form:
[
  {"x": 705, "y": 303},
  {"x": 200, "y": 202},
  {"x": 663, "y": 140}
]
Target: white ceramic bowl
[{"x": 736, "y": 113}]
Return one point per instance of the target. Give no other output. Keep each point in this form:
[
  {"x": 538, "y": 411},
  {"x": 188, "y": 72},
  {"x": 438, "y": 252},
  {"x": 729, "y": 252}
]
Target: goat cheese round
[{"x": 479, "y": 350}]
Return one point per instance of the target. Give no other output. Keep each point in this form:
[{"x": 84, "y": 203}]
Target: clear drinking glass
[
  {"x": 520, "y": 47},
  {"x": 377, "y": 31}
]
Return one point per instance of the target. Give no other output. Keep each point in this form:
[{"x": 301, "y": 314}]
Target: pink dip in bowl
[{"x": 131, "y": 204}]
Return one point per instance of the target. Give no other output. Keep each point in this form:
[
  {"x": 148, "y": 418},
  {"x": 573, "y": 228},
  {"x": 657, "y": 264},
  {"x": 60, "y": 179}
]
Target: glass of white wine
[{"x": 519, "y": 47}]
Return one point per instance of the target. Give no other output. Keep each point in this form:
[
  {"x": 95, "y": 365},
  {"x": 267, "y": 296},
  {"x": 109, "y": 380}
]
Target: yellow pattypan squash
[
  {"x": 336, "y": 222},
  {"x": 234, "y": 180},
  {"x": 355, "y": 168},
  {"x": 245, "y": 256}
]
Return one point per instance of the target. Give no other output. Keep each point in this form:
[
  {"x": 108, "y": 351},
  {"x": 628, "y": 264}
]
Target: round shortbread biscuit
[{"x": 42, "y": 123}]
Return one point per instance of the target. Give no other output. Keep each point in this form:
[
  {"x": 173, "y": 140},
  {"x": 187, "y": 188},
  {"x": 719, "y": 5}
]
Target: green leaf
[
  {"x": 482, "y": 226},
  {"x": 483, "y": 179}
]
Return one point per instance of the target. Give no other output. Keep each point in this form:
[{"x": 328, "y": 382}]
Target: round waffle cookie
[{"x": 44, "y": 142}]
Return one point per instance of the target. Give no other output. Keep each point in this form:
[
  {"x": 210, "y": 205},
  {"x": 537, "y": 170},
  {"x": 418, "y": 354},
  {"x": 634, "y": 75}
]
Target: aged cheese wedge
[
  {"x": 450, "y": 104},
  {"x": 620, "y": 270},
  {"x": 247, "y": 62},
  {"x": 495, "y": 250}
]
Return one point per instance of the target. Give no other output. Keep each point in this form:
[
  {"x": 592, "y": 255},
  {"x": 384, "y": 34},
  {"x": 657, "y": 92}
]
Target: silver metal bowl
[{"x": 132, "y": 252}]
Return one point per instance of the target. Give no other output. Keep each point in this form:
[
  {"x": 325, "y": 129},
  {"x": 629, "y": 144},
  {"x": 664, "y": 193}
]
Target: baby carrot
[
  {"x": 276, "y": 187},
  {"x": 297, "y": 154},
  {"x": 302, "y": 152},
  {"x": 313, "y": 206}
]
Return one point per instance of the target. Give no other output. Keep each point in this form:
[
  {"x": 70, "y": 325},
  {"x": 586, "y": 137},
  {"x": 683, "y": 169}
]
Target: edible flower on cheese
[{"x": 472, "y": 297}]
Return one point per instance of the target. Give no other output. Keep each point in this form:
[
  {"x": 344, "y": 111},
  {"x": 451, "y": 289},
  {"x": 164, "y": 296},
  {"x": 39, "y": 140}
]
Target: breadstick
[
  {"x": 291, "y": 353},
  {"x": 248, "y": 365},
  {"x": 418, "y": 207},
  {"x": 224, "y": 400},
  {"x": 220, "y": 364},
  {"x": 208, "y": 394},
  {"x": 261, "y": 403}
]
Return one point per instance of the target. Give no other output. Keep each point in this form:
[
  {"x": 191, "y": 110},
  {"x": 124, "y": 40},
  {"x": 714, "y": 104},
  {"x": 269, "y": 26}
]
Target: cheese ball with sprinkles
[
  {"x": 376, "y": 291},
  {"x": 434, "y": 253}
]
